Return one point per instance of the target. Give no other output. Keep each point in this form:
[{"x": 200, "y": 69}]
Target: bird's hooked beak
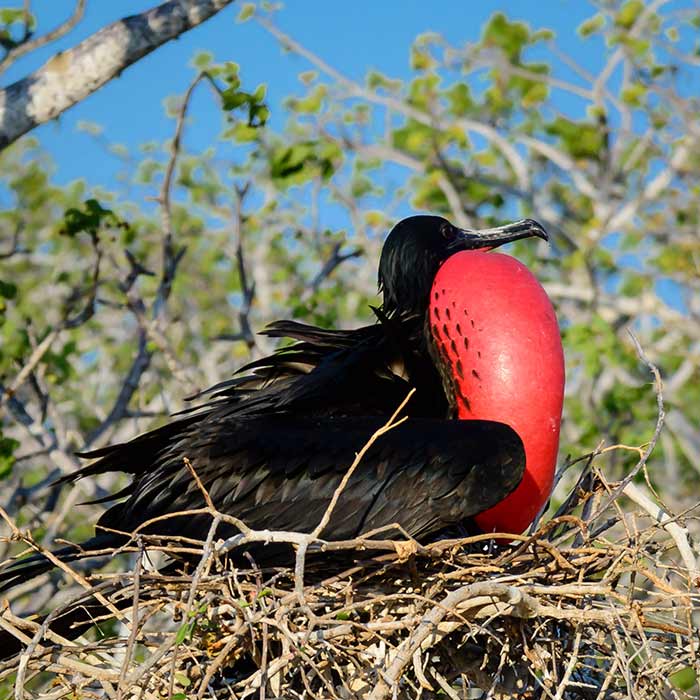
[{"x": 490, "y": 238}]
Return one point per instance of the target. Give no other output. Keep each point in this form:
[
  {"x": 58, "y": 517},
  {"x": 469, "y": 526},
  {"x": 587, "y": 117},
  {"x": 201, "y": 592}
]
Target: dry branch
[
  {"x": 27, "y": 46},
  {"x": 558, "y": 614},
  {"x": 70, "y": 76}
]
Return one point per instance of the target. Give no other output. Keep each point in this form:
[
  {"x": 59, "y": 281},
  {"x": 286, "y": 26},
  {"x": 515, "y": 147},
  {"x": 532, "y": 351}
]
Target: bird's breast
[{"x": 497, "y": 337}]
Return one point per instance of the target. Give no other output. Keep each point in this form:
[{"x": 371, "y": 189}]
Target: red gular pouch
[{"x": 494, "y": 324}]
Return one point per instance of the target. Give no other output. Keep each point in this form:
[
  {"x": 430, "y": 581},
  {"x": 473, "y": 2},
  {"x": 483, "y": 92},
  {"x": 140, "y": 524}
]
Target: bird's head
[{"x": 417, "y": 247}]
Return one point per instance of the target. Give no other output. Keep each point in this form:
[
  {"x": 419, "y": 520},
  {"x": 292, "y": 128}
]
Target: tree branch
[
  {"x": 26, "y": 46},
  {"x": 509, "y": 152},
  {"x": 70, "y": 76},
  {"x": 128, "y": 389}
]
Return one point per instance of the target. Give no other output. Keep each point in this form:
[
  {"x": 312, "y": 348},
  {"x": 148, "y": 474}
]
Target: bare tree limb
[
  {"x": 335, "y": 259},
  {"x": 14, "y": 245},
  {"x": 32, "y": 362},
  {"x": 140, "y": 364},
  {"x": 509, "y": 152},
  {"x": 247, "y": 285},
  {"x": 668, "y": 523},
  {"x": 171, "y": 258},
  {"x": 70, "y": 76}
]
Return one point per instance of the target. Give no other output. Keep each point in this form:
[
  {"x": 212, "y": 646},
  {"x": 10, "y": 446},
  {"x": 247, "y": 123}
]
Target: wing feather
[{"x": 281, "y": 472}]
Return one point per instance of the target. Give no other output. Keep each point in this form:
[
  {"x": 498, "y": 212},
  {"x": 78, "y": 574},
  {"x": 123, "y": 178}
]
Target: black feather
[{"x": 271, "y": 444}]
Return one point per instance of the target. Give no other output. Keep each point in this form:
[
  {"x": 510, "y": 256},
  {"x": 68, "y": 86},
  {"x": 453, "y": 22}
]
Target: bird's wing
[
  {"x": 332, "y": 372},
  {"x": 280, "y": 472},
  {"x": 336, "y": 372}
]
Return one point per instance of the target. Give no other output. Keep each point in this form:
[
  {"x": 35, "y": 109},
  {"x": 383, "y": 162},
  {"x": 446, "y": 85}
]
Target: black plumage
[{"x": 271, "y": 444}]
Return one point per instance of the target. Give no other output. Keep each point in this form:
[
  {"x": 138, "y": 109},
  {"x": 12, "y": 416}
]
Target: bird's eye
[{"x": 447, "y": 231}]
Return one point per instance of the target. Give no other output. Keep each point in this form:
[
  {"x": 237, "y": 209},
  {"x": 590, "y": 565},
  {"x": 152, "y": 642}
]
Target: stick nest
[{"x": 598, "y": 603}]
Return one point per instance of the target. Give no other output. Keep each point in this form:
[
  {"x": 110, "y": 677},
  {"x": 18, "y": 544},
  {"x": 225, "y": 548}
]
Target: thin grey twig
[{"x": 27, "y": 46}]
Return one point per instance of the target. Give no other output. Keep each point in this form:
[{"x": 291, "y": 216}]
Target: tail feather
[
  {"x": 77, "y": 619},
  {"x": 37, "y": 564},
  {"x": 70, "y": 625},
  {"x": 128, "y": 456}
]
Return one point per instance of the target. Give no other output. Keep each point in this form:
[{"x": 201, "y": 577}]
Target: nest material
[
  {"x": 599, "y": 602},
  {"x": 592, "y": 606}
]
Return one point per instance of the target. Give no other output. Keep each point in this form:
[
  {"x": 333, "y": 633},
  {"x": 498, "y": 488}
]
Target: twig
[
  {"x": 34, "y": 359},
  {"x": 70, "y": 76},
  {"x": 134, "y": 621},
  {"x": 26, "y": 46},
  {"x": 131, "y": 382},
  {"x": 661, "y": 416},
  {"x": 570, "y": 666},
  {"x": 389, "y": 425},
  {"x": 334, "y": 260},
  {"x": 679, "y": 534},
  {"x": 247, "y": 287},
  {"x": 14, "y": 245}
]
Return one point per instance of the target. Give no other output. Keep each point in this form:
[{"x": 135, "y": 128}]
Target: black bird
[{"x": 271, "y": 445}]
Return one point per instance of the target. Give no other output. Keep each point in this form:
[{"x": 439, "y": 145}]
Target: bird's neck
[{"x": 407, "y": 333}]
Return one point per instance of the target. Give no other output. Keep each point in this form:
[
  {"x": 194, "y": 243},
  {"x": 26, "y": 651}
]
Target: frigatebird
[{"x": 471, "y": 331}]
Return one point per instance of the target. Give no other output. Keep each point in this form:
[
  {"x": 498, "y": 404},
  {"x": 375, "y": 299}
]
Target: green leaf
[
  {"x": 185, "y": 631},
  {"x": 460, "y": 99},
  {"x": 8, "y": 290},
  {"x": 232, "y": 98},
  {"x": 182, "y": 680},
  {"x": 423, "y": 91},
  {"x": 628, "y": 13},
  {"x": 258, "y": 116},
  {"x": 89, "y": 219},
  {"x": 633, "y": 93},
  {"x": 510, "y": 37},
  {"x": 11, "y": 15},
  {"x": 308, "y": 76},
  {"x": 7, "y": 454},
  {"x": 581, "y": 139},
  {"x": 683, "y": 679},
  {"x": 89, "y": 127},
  {"x": 291, "y": 160},
  {"x": 535, "y": 94},
  {"x": 543, "y": 35},
  {"x": 591, "y": 25},
  {"x": 361, "y": 186},
  {"x": 298, "y": 162},
  {"x": 229, "y": 72},
  {"x": 414, "y": 138},
  {"x": 639, "y": 47},
  {"x": 260, "y": 92},
  {"x": 421, "y": 60},
  {"x": 375, "y": 80},
  {"x": 202, "y": 60},
  {"x": 312, "y": 103},
  {"x": 242, "y": 133},
  {"x": 634, "y": 285},
  {"x": 247, "y": 11}
]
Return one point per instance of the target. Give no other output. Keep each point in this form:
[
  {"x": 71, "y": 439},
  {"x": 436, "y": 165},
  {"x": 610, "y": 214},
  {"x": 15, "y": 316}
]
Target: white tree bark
[{"x": 70, "y": 76}]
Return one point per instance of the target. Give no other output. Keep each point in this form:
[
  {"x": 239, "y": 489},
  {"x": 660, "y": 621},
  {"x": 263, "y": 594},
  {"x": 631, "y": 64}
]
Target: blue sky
[{"x": 354, "y": 37}]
